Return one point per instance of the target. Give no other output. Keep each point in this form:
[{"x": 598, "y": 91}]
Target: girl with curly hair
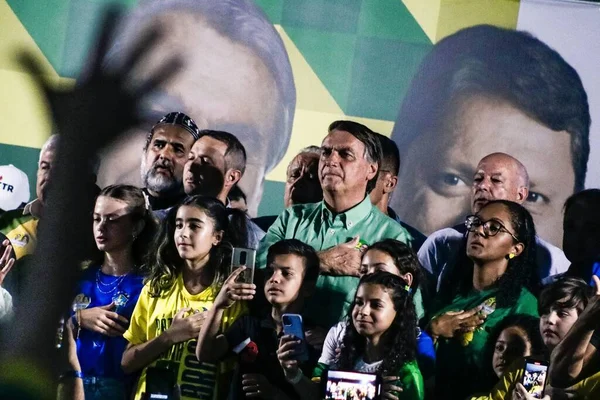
[
  {"x": 380, "y": 338},
  {"x": 488, "y": 283},
  {"x": 188, "y": 266}
]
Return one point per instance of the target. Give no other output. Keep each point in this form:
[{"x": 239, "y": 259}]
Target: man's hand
[
  {"x": 6, "y": 262},
  {"x": 448, "y": 324},
  {"x": 343, "y": 259},
  {"x": 185, "y": 328},
  {"x": 103, "y": 320},
  {"x": 257, "y": 386},
  {"x": 232, "y": 291}
]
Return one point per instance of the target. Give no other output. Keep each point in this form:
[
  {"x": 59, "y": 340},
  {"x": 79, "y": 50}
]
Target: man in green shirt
[{"x": 342, "y": 223}]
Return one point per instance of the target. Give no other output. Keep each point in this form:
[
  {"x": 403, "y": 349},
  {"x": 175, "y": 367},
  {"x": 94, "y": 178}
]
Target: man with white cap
[{"x": 14, "y": 187}]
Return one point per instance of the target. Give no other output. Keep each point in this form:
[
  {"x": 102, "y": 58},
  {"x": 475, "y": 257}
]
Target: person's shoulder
[
  {"x": 445, "y": 234},
  {"x": 443, "y": 237},
  {"x": 556, "y": 255},
  {"x": 410, "y": 367},
  {"x": 13, "y": 218}
]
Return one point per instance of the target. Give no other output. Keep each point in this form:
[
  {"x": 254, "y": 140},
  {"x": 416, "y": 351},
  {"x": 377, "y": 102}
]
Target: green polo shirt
[{"x": 315, "y": 225}]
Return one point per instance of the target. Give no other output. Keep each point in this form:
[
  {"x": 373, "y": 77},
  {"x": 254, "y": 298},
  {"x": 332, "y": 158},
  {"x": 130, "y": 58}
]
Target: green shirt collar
[{"x": 350, "y": 217}]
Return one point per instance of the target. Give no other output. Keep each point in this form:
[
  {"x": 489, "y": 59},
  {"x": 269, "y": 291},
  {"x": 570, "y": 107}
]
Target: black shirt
[{"x": 262, "y": 332}]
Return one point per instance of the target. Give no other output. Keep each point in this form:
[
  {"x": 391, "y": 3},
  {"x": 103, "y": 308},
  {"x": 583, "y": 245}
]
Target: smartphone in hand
[
  {"x": 292, "y": 325},
  {"x": 246, "y": 257},
  {"x": 535, "y": 377}
]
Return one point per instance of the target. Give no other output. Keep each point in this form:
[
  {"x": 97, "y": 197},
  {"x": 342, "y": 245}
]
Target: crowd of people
[{"x": 153, "y": 307}]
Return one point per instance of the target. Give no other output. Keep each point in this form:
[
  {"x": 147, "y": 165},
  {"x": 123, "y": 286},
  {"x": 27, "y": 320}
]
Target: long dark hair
[
  {"x": 520, "y": 271},
  {"x": 400, "y": 340},
  {"x": 164, "y": 262},
  {"x": 404, "y": 257},
  {"x": 137, "y": 211}
]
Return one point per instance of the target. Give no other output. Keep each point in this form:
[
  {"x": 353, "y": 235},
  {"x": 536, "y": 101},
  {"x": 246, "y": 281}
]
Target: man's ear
[
  {"x": 372, "y": 171},
  {"x": 390, "y": 183},
  {"x": 232, "y": 176},
  {"x": 522, "y": 194}
]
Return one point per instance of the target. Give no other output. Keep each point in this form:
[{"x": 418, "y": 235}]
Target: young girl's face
[
  {"x": 512, "y": 343},
  {"x": 373, "y": 312},
  {"x": 113, "y": 226},
  {"x": 555, "y": 323},
  {"x": 194, "y": 233},
  {"x": 375, "y": 260}
]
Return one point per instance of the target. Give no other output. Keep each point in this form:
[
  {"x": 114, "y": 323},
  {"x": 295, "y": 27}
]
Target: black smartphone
[
  {"x": 160, "y": 383},
  {"x": 535, "y": 377},
  {"x": 343, "y": 385}
]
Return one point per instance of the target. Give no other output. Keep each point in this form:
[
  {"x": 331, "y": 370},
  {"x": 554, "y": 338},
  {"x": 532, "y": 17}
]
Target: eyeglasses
[{"x": 490, "y": 227}]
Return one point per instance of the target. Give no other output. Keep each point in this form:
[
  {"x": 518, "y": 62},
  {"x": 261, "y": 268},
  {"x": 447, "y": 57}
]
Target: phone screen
[
  {"x": 241, "y": 256},
  {"x": 534, "y": 377},
  {"x": 160, "y": 383},
  {"x": 292, "y": 325},
  {"x": 342, "y": 385}
]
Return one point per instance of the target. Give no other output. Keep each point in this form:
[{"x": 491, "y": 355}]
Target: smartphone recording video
[
  {"x": 342, "y": 385},
  {"x": 534, "y": 377}
]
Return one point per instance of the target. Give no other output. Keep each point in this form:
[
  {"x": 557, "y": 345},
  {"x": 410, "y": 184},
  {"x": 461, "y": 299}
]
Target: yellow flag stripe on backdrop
[
  {"x": 440, "y": 18},
  {"x": 25, "y": 121},
  {"x": 28, "y": 123}
]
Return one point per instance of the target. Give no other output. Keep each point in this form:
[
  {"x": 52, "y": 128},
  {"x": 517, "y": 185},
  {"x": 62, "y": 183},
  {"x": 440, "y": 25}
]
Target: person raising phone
[
  {"x": 291, "y": 276},
  {"x": 380, "y": 338},
  {"x": 191, "y": 262}
]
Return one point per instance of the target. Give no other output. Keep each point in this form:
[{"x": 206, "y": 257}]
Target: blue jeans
[{"x": 103, "y": 388}]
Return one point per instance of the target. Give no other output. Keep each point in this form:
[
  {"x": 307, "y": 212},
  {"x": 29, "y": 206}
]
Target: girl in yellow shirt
[{"x": 187, "y": 269}]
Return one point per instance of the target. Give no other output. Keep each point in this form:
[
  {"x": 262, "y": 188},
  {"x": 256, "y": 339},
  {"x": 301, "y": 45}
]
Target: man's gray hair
[
  {"x": 241, "y": 21},
  {"x": 51, "y": 144},
  {"x": 311, "y": 149}
]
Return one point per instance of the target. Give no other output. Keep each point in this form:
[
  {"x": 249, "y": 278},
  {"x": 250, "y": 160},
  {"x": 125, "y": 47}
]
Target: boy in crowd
[
  {"x": 292, "y": 271},
  {"x": 560, "y": 305}
]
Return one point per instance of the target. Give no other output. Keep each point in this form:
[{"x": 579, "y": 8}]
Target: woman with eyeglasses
[{"x": 488, "y": 283}]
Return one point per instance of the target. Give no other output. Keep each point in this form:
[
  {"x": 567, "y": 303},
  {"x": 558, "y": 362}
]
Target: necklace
[{"x": 110, "y": 287}]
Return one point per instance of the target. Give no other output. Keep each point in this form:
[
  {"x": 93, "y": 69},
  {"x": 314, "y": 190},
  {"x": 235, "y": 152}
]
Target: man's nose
[{"x": 166, "y": 152}]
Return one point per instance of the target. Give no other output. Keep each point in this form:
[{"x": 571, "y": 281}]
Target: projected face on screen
[
  {"x": 440, "y": 191},
  {"x": 483, "y": 90},
  {"x": 225, "y": 83}
]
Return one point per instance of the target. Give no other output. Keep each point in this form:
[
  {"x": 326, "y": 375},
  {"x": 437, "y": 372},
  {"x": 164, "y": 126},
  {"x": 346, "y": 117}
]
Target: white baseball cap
[{"x": 14, "y": 187}]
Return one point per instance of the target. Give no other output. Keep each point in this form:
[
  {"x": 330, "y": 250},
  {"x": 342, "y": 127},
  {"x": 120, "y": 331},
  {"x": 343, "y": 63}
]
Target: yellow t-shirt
[{"x": 153, "y": 315}]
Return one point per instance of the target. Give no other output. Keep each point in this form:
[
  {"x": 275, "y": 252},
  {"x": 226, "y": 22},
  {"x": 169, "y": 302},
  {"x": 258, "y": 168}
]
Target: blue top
[{"x": 100, "y": 355}]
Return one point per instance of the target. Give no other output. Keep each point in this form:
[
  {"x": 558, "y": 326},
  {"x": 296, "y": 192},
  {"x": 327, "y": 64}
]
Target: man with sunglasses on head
[{"x": 498, "y": 176}]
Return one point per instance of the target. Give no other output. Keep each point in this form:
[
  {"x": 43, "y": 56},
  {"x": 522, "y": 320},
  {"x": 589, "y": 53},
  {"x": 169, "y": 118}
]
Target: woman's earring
[{"x": 510, "y": 256}]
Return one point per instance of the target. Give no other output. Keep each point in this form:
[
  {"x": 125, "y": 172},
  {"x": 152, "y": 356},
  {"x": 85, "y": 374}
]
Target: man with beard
[
  {"x": 215, "y": 165},
  {"x": 498, "y": 177},
  {"x": 301, "y": 185},
  {"x": 165, "y": 153}
]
